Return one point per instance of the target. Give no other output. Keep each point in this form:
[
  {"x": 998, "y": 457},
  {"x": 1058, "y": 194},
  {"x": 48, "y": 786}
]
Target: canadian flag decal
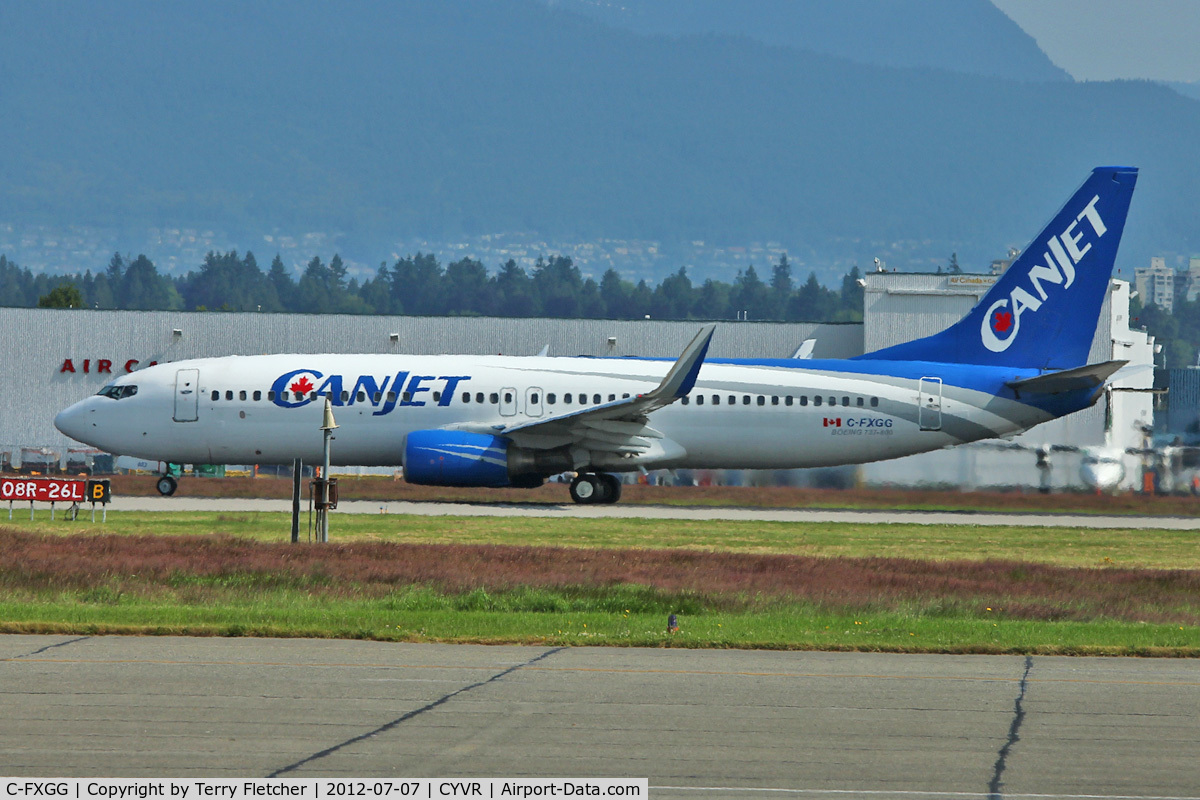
[{"x": 833, "y": 422}]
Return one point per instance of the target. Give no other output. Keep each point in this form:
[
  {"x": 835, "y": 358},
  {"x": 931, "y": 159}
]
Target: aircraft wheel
[
  {"x": 612, "y": 487},
  {"x": 585, "y": 489},
  {"x": 166, "y": 485}
]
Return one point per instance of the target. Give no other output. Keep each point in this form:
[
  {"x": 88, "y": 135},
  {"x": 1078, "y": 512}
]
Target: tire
[
  {"x": 167, "y": 485},
  {"x": 585, "y": 489},
  {"x": 612, "y": 487}
]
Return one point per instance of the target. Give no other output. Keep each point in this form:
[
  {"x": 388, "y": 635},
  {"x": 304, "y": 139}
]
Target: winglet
[{"x": 682, "y": 377}]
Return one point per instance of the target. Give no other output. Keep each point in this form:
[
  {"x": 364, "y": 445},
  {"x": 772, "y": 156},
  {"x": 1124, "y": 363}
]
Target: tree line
[{"x": 420, "y": 285}]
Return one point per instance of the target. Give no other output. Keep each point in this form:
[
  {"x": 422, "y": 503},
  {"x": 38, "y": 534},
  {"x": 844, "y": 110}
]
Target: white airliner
[{"x": 1019, "y": 358}]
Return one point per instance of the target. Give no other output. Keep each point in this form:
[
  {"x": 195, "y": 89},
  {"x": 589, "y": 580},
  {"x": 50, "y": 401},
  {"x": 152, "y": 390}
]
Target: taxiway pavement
[
  {"x": 697, "y": 723},
  {"x": 570, "y": 510}
]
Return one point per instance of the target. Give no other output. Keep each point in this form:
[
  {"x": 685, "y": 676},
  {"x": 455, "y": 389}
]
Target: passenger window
[
  {"x": 257, "y": 396},
  {"x": 745, "y": 399},
  {"x": 466, "y": 397},
  {"x": 533, "y": 399},
  {"x": 774, "y": 400},
  {"x": 625, "y": 396},
  {"x": 567, "y": 398},
  {"x": 596, "y": 399},
  {"x": 345, "y": 396},
  {"x": 612, "y": 397},
  {"x": 405, "y": 397},
  {"x": 508, "y": 398},
  {"x": 361, "y": 397},
  {"x": 732, "y": 400},
  {"x": 874, "y": 402},
  {"x": 242, "y": 395},
  {"x": 803, "y": 399},
  {"x": 479, "y": 397},
  {"x": 437, "y": 397},
  {"x": 833, "y": 401},
  {"x": 699, "y": 399},
  {"x": 845, "y": 401},
  {"x": 716, "y": 399},
  {"x": 493, "y": 398},
  {"x": 684, "y": 400},
  {"x": 787, "y": 401},
  {"x": 271, "y": 395},
  {"x": 817, "y": 400},
  {"x": 377, "y": 396},
  {"x": 216, "y": 395},
  {"x": 762, "y": 401},
  {"x": 860, "y": 402},
  {"x": 551, "y": 398},
  {"x": 391, "y": 397},
  {"x": 228, "y": 394}
]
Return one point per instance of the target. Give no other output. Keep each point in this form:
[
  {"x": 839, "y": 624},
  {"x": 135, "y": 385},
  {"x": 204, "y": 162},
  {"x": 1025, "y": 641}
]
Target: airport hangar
[{"x": 56, "y": 357}]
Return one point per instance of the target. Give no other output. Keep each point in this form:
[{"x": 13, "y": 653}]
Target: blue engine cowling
[{"x": 460, "y": 458}]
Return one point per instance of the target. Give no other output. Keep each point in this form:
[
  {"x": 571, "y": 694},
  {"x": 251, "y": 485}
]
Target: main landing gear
[
  {"x": 166, "y": 485},
  {"x": 595, "y": 487}
]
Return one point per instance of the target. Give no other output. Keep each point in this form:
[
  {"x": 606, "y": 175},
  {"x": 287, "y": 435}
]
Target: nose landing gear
[{"x": 595, "y": 487}]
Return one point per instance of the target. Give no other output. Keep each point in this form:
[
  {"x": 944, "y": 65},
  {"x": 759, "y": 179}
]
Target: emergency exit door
[
  {"x": 929, "y": 414},
  {"x": 187, "y": 394}
]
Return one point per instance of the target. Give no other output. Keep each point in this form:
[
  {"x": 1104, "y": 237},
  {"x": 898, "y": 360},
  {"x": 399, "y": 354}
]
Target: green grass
[
  {"x": 1064, "y": 546},
  {"x": 240, "y": 604},
  {"x": 426, "y": 617}
]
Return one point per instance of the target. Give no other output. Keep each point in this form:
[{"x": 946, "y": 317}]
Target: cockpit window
[{"x": 118, "y": 392}]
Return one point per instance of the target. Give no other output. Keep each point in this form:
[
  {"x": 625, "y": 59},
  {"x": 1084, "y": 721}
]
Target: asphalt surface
[
  {"x": 571, "y": 510},
  {"x": 698, "y": 724}
]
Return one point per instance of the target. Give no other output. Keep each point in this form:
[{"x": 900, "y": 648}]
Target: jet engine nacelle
[{"x": 461, "y": 458}]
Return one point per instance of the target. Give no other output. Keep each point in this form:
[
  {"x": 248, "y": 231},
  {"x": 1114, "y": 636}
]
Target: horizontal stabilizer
[{"x": 1068, "y": 380}]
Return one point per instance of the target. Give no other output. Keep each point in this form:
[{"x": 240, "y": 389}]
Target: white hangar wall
[{"x": 36, "y": 381}]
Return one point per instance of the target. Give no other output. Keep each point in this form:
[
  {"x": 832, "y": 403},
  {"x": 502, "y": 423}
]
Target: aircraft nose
[{"x": 71, "y": 421}]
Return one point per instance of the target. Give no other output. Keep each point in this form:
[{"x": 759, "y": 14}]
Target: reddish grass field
[
  {"x": 144, "y": 565},
  {"x": 375, "y": 488}
]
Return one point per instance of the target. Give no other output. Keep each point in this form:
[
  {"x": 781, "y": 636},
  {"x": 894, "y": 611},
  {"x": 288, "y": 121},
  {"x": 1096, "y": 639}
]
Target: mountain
[
  {"x": 382, "y": 120},
  {"x": 971, "y": 36}
]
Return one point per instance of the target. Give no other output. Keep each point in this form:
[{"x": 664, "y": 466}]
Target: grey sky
[{"x": 1101, "y": 40}]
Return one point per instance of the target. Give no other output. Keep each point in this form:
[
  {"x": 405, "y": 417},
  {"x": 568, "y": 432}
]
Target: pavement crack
[
  {"x": 416, "y": 712},
  {"x": 1014, "y": 736},
  {"x": 47, "y": 647}
]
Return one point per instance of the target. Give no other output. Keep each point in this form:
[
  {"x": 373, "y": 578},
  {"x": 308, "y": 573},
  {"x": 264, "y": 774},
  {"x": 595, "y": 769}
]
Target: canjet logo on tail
[{"x": 1002, "y": 322}]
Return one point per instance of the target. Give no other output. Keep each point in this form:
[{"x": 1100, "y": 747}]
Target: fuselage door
[
  {"x": 187, "y": 394},
  {"x": 533, "y": 401},
  {"x": 508, "y": 402},
  {"x": 929, "y": 415}
]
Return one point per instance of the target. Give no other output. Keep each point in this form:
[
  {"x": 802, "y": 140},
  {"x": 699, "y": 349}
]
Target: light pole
[{"x": 323, "y": 504}]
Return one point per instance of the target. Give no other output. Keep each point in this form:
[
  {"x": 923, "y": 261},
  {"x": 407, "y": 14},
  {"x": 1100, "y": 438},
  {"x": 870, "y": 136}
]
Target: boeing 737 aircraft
[{"x": 1019, "y": 358}]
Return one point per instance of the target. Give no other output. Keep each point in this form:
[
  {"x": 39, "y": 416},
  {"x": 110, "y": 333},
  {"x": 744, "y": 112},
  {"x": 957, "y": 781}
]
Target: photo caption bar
[{"x": 317, "y": 789}]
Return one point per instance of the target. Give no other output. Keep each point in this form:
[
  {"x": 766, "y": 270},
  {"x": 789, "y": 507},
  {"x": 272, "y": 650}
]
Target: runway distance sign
[{"x": 55, "y": 490}]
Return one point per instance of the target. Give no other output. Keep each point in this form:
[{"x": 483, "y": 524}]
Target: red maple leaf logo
[
  {"x": 1001, "y": 321},
  {"x": 302, "y": 386}
]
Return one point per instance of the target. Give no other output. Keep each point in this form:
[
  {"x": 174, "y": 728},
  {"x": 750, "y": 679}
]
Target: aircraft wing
[{"x": 621, "y": 426}]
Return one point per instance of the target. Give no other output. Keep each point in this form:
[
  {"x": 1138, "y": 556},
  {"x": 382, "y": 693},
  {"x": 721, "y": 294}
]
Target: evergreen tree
[
  {"x": 513, "y": 291},
  {"x": 616, "y": 295},
  {"x": 467, "y": 286},
  {"x": 673, "y": 298},
  {"x": 282, "y": 284}
]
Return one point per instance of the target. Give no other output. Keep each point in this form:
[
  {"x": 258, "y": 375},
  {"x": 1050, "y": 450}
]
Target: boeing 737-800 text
[{"x": 1017, "y": 359}]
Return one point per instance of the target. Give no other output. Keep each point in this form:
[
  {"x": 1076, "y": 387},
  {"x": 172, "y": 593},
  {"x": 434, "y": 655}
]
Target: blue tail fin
[{"x": 1043, "y": 311}]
